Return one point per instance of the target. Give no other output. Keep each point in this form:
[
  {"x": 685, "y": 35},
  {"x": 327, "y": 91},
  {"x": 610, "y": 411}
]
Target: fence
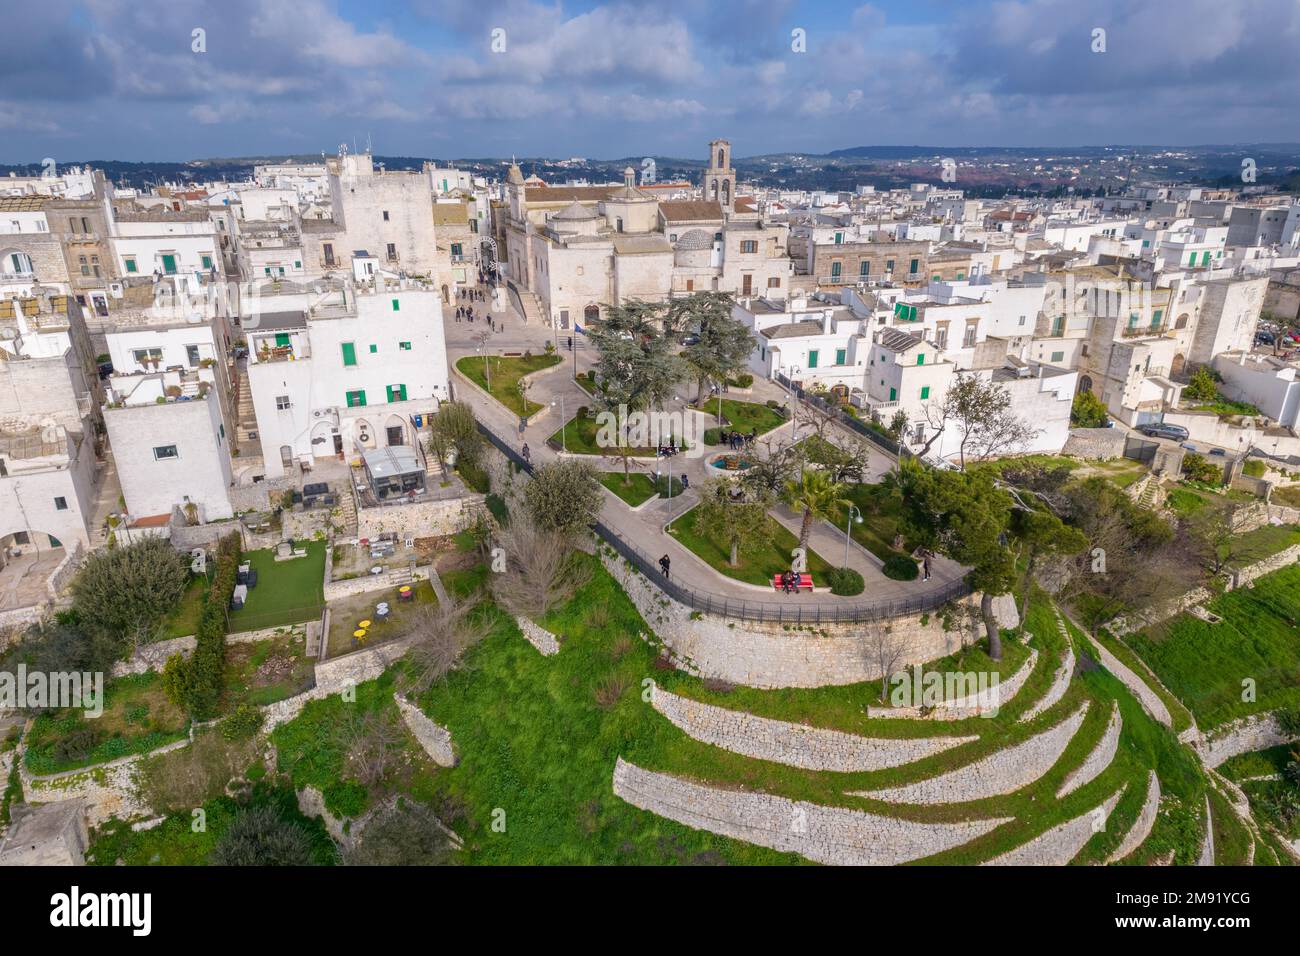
[
  {"x": 833, "y": 409},
  {"x": 766, "y": 611}
]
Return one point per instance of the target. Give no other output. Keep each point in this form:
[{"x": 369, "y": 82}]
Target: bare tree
[
  {"x": 886, "y": 649},
  {"x": 371, "y": 744},
  {"x": 980, "y": 412},
  {"x": 443, "y": 633},
  {"x": 540, "y": 573}
]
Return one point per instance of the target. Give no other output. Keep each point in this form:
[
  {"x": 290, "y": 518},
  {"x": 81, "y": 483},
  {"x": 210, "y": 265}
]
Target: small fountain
[{"x": 729, "y": 463}]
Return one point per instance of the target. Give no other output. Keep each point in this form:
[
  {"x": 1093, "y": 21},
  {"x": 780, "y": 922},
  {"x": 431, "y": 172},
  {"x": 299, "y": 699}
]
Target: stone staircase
[
  {"x": 247, "y": 428},
  {"x": 348, "y": 509},
  {"x": 529, "y": 305}
]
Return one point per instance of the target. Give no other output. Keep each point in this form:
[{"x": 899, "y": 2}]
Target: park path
[{"x": 643, "y": 528}]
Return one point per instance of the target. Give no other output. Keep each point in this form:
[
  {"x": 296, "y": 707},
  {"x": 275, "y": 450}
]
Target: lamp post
[
  {"x": 854, "y": 516},
  {"x": 564, "y": 423}
]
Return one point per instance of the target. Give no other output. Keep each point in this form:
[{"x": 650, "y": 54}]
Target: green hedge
[
  {"x": 845, "y": 581},
  {"x": 900, "y": 567},
  {"x": 196, "y": 684}
]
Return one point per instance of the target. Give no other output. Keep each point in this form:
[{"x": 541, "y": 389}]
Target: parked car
[
  {"x": 690, "y": 339},
  {"x": 1218, "y": 451},
  {"x": 1162, "y": 430}
]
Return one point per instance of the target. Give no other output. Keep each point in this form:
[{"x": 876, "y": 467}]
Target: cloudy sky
[{"x": 107, "y": 79}]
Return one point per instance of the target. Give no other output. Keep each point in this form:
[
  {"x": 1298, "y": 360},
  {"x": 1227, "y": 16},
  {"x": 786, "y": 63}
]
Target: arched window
[
  {"x": 591, "y": 314},
  {"x": 726, "y": 191},
  {"x": 713, "y": 190},
  {"x": 722, "y": 159}
]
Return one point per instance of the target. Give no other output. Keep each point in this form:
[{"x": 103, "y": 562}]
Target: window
[
  {"x": 169, "y": 264},
  {"x": 297, "y": 263},
  {"x": 969, "y": 340},
  {"x": 920, "y": 358},
  {"x": 281, "y": 340},
  {"x": 839, "y": 238},
  {"x": 961, "y": 276},
  {"x": 941, "y": 336},
  {"x": 143, "y": 356},
  {"x": 925, "y": 392},
  {"x": 282, "y": 403},
  {"x": 349, "y": 353},
  {"x": 893, "y": 394},
  {"x": 749, "y": 245},
  {"x": 812, "y": 359},
  {"x": 404, "y": 346},
  {"x": 397, "y": 393},
  {"x": 397, "y": 305},
  {"x": 841, "y": 356},
  {"x": 455, "y": 249},
  {"x": 385, "y": 215},
  {"x": 373, "y": 348},
  {"x": 60, "y": 504},
  {"x": 774, "y": 282},
  {"x": 618, "y": 224},
  {"x": 356, "y": 399},
  {"x": 1058, "y": 356},
  {"x": 835, "y": 269},
  {"x": 207, "y": 261},
  {"x": 130, "y": 264},
  {"x": 889, "y": 265},
  {"x": 392, "y": 252},
  {"x": 85, "y": 265},
  {"x": 916, "y": 264},
  {"x": 164, "y": 452},
  {"x": 192, "y": 355},
  {"x": 328, "y": 249},
  {"x": 864, "y": 268}
]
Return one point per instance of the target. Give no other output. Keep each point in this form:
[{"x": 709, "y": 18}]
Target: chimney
[{"x": 826, "y": 321}]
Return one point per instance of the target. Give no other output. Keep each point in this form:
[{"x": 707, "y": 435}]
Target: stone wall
[
  {"x": 986, "y": 703},
  {"x": 1141, "y": 828},
  {"x": 337, "y": 674},
  {"x": 1282, "y": 559},
  {"x": 391, "y": 579},
  {"x": 152, "y": 657},
  {"x": 795, "y": 745},
  {"x": 757, "y": 655},
  {"x": 1003, "y": 771},
  {"x": 1103, "y": 443},
  {"x": 539, "y": 637},
  {"x": 1061, "y": 844},
  {"x": 435, "y": 739},
  {"x": 420, "y": 519},
  {"x": 1256, "y": 732},
  {"x": 1149, "y": 699},
  {"x": 1060, "y": 684},
  {"x": 1098, "y": 758},
  {"x": 832, "y": 835}
]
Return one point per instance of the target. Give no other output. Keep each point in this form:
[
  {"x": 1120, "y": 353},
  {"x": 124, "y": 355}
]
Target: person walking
[
  {"x": 925, "y": 567},
  {"x": 686, "y": 482},
  {"x": 527, "y": 454},
  {"x": 664, "y": 563}
]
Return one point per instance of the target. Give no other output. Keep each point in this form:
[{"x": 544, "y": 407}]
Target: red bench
[{"x": 803, "y": 584}]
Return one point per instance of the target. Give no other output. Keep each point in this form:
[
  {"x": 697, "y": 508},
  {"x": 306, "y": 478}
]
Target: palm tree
[{"x": 818, "y": 495}]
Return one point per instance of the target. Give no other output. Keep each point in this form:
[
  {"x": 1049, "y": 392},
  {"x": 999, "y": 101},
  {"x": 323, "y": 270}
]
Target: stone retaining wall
[
  {"x": 973, "y": 705},
  {"x": 1256, "y": 732},
  {"x": 833, "y": 835},
  {"x": 539, "y": 637},
  {"x": 1244, "y": 576},
  {"x": 391, "y": 579},
  {"x": 152, "y": 657},
  {"x": 1141, "y": 828},
  {"x": 1001, "y": 772},
  {"x": 1060, "y": 684},
  {"x": 795, "y": 745},
  {"x": 435, "y": 739},
  {"x": 1149, "y": 699},
  {"x": 1061, "y": 844},
  {"x": 1099, "y": 758},
  {"x": 757, "y": 655},
  {"x": 1102, "y": 443}
]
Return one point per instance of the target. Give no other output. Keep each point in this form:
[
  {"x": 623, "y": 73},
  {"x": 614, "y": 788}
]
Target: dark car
[
  {"x": 105, "y": 370},
  {"x": 1162, "y": 430},
  {"x": 1218, "y": 451},
  {"x": 690, "y": 339}
]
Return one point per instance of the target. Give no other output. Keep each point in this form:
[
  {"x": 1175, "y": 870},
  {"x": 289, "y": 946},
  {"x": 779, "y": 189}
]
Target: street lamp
[
  {"x": 854, "y": 517},
  {"x": 564, "y": 423}
]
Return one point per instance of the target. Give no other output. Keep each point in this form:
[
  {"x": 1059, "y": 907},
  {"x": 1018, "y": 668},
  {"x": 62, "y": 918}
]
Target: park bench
[{"x": 805, "y": 583}]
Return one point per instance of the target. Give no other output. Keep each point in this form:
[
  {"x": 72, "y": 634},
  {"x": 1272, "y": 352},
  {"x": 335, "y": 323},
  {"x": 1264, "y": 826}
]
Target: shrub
[
  {"x": 244, "y": 723},
  {"x": 261, "y": 837},
  {"x": 847, "y": 582},
  {"x": 564, "y": 496},
  {"x": 403, "y": 834},
  {"x": 773, "y": 404},
  {"x": 1197, "y": 468},
  {"x": 1254, "y": 468},
  {"x": 1202, "y": 387},
  {"x": 125, "y": 592},
  {"x": 901, "y": 567},
  {"x": 345, "y": 798},
  {"x": 474, "y": 476},
  {"x": 743, "y": 380},
  {"x": 1088, "y": 411},
  {"x": 196, "y": 684}
]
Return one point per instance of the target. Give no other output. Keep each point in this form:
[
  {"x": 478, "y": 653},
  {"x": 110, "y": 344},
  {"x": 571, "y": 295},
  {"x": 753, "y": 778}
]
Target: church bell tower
[{"x": 720, "y": 178}]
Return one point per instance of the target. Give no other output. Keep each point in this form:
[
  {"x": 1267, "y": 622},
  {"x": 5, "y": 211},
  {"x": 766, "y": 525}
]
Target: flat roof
[{"x": 390, "y": 461}]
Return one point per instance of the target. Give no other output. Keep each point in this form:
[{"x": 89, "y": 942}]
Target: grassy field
[
  {"x": 1205, "y": 665},
  {"x": 1288, "y": 495},
  {"x": 184, "y": 620},
  {"x": 287, "y": 592},
  {"x": 1263, "y": 542},
  {"x": 741, "y": 416},
  {"x": 1224, "y": 407},
  {"x": 754, "y": 567},
  {"x": 505, "y": 374},
  {"x": 137, "y": 718},
  {"x": 641, "y": 488},
  {"x": 1259, "y": 763},
  {"x": 580, "y": 434},
  {"x": 879, "y": 519}
]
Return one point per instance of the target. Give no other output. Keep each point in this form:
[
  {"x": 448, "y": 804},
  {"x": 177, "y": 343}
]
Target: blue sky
[{"x": 110, "y": 79}]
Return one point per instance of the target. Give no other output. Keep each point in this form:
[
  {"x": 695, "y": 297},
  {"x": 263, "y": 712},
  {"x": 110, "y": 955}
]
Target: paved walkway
[{"x": 643, "y": 528}]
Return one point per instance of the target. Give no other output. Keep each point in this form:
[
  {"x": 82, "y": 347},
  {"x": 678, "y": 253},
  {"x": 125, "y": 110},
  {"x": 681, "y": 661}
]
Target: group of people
[
  {"x": 789, "y": 581},
  {"x": 667, "y": 451},
  {"x": 471, "y": 295},
  {"x": 738, "y": 440}
]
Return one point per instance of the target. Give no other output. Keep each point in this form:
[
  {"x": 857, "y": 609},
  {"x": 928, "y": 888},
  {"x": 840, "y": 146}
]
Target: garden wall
[
  {"x": 1256, "y": 732},
  {"x": 1095, "y": 443},
  {"x": 391, "y": 578},
  {"x": 420, "y": 519}
]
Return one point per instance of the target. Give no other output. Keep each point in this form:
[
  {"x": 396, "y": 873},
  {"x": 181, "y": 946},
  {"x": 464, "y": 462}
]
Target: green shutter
[
  {"x": 397, "y": 305},
  {"x": 404, "y": 346},
  {"x": 281, "y": 339},
  {"x": 349, "y": 353},
  {"x": 920, "y": 358},
  {"x": 373, "y": 348},
  {"x": 357, "y": 399},
  {"x": 841, "y": 356},
  {"x": 812, "y": 359},
  {"x": 169, "y": 264},
  {"x": 893, "y": 394},
  {"x": 207, "y": 262},
  {"x": 916, "y": 264},
  {"x": 835, "y": 268},
  {"x": 131, "y": 266},
  {"x": 396, "y": 393},
  {"x": 925, "y": 392}
]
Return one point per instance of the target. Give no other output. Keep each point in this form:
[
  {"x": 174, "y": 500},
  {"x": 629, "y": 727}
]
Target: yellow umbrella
[{"x": 364, "y": 624}]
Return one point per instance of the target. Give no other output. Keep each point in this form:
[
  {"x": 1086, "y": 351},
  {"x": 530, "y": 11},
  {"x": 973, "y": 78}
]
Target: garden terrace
[{"x": 288, "y": 591}]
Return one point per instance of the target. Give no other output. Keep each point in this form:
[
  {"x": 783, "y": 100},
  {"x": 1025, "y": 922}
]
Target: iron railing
[
  {"x": 844, "y": 418},
  {"x": 765, "y": 611}
]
